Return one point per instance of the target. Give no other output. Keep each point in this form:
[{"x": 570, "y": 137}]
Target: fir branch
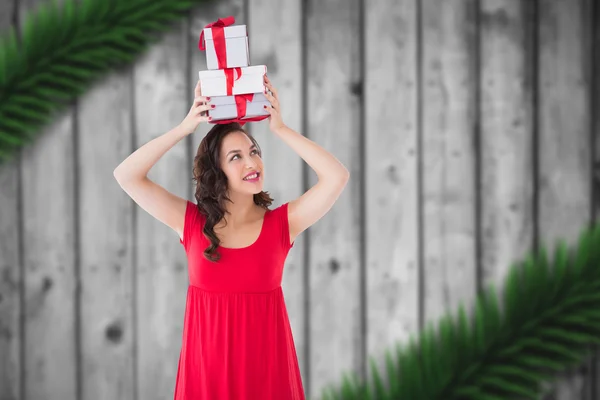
[
  {"x": 549, "y": 323},
  {"x": 63, "y": 48}
]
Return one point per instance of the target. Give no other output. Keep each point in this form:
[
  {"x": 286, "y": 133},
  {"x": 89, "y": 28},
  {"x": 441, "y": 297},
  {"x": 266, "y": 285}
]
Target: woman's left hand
[{"x": 274, "y": 109}]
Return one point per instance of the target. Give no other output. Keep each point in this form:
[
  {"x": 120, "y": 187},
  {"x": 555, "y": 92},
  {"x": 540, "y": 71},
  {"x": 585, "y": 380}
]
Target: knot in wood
[{"x": 114, "y": 332}]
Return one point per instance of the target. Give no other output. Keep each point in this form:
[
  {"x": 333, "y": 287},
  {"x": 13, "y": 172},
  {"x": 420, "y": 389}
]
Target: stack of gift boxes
[{"x": 234, "y": 86}]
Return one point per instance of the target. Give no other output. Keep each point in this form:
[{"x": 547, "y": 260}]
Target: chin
[
  {"x": 258, "y": 189},
  {"x": 253, "y": 189},
  {"x": 250, "y": 190}
]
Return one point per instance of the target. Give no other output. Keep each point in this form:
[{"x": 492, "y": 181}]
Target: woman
[{"x": 237, "y": 341}]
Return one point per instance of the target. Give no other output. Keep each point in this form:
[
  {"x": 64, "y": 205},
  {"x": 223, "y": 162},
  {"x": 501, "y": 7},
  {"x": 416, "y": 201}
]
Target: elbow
[
  {"x": 124, "y": 179},
  {"x": 117, "y": 175},
  {"x": 342, "y": 178},
  {"x": 120, "y": 176},
  {"x": 339, "y": 178},
  {"x": 345, "y": 176}
]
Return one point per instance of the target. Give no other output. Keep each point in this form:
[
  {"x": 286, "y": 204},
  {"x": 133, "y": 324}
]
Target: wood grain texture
[
  {"x": 10, "y": 281},
  {"x": 594, "y": 46},
  {"x": 105, "y": 225},
  {"x": 449, "y": 197},
  {"x": 275, "y": 39},
  {"x": 161, "y": 103},
  {"x": 132, "y": 301},
  {"x": 334, "y": 115},
  {"x": 10, "y": 262},
  {"x": 507, "y": 120},
  {"x": 392, "y": 203},
  {"x": 7, "y": 8},
  {"x": 49, "y": 260},
  {"x": 49, "y": 218},
  {"x": 564, "y": 129}
]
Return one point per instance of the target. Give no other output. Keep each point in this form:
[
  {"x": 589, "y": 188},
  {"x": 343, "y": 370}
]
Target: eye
[{"x": 237, "y": 155}]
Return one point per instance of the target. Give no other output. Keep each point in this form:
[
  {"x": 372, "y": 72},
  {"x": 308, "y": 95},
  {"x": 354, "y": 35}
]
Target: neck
[{"x": 241, "y": 209}]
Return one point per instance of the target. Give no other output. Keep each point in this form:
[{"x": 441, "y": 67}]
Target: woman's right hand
[{"x": 198, "y": 112}]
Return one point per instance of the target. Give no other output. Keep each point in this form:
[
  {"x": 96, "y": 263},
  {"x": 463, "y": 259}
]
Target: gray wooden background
[{"x": 469, "y": 128}]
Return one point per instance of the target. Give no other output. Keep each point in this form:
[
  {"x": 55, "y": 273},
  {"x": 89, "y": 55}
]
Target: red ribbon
[
  {"x": 218, "y": 34},
  {"x": 240, "y": 104},
  {"x": 229, "y": 78}
]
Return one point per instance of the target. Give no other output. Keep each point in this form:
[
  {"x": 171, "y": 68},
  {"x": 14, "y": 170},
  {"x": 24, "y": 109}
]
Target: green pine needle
[
  {"x": 548, "y": 322},
  {"x": 61, "y": 49}
]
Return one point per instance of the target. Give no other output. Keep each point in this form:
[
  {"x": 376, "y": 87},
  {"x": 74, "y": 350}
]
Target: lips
[{"x": 252, "y": 174}]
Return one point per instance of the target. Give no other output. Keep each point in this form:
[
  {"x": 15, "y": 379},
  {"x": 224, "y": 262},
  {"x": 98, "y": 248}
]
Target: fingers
[
  {"x": 198, "y": 90},
  {"x": 270, "y": 97},
  {"x": 201, "y": 100},
  {"x": 202, "y": 116},
  {"x": 272, "y": 90},
  {"x": 269, "y": 86},
  {"x": 274, "y": 102},
  {"x": 200, "y": 107},
  {"x": 203, "y": 107},
  {"x": 271, "y": 110},
  {"x": 268, "y": 81}
]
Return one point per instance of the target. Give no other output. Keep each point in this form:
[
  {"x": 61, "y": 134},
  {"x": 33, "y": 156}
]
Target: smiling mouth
[{"x": 252, "y": 177}]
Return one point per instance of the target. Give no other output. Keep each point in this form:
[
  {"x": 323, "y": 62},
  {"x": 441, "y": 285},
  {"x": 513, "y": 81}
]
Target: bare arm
[
  {"x": 311, "y": 206},
  {"x": 132, "y": 173},
  {"x": 333, "y": 176},
  {"x": 137, "y": 165}
]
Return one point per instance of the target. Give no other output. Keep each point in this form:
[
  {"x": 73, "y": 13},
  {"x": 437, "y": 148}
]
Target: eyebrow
[{"x": 237, "y": 150}]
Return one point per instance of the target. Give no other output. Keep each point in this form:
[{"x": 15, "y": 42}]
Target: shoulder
[
  {"x": 192, "y": 209},
  {"x": 280, "y": 210},
  {"x": 193, "y": 214},
  {"x": 281, "y": 224},
  {"x": 192, "y": 223}
]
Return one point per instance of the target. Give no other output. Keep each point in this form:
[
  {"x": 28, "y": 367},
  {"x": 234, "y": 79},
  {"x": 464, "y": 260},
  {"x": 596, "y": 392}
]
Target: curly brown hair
[{"x": 211, "y": 183}]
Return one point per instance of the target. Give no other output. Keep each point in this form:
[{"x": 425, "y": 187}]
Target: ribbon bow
[
  {"x": 240, "y": 103},
  {"x": 218, "y": 34}
]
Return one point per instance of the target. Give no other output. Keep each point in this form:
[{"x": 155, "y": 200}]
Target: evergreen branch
[
  {"x": 551, "y": 320},
  {"x": 61, "y": 49}
]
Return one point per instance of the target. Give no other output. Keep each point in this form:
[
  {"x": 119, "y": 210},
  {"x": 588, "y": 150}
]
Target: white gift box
[
  {"x": 236, "y": 44},
  {"x": 214, "y": 82},
  {"x": 226, "y": 107}
]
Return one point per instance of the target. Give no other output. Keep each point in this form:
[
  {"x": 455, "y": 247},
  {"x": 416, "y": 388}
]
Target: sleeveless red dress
[{"x": 237, "y": 341}]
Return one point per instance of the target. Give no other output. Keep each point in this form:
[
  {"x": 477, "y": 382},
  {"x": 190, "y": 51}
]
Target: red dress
[{"x": 237, "y": 340}]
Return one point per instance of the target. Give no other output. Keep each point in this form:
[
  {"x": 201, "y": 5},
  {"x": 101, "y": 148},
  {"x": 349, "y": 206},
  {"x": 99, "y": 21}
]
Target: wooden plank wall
[
  {"x": 564, "y": 179},
  {"x": 470, "y": 130},
  {"x": 11, "y": 332},
  {"x": 108, "y": 261},
  {"x": 333, "y": 77},
  {"x": 48, "y": 173},
  {"x": 160, "y": 100},
  {"x": 391, "y": 191}
]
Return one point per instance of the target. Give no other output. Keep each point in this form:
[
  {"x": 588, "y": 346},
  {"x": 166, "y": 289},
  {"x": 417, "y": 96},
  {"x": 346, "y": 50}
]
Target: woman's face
[{"x": 239, "y": 157}]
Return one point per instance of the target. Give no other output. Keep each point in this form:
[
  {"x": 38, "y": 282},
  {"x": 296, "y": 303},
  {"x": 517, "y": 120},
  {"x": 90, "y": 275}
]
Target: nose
[{"x": 251, "y": 165}]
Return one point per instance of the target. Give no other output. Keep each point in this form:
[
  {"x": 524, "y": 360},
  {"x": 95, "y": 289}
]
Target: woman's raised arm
[{"x": 132, "y": 173}]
